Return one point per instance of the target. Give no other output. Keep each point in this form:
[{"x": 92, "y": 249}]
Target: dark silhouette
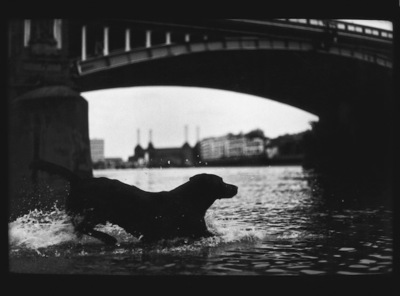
[{"x": 150, "y": 215}]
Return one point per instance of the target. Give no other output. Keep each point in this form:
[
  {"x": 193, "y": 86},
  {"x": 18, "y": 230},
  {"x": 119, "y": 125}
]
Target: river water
[{"x": 278, "y": 224}]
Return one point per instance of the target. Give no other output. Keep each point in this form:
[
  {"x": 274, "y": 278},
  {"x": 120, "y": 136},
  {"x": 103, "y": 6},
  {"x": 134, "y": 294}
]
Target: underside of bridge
[
  {"x": 352, "y": 98},
  {"x": 307, "y": 80}
]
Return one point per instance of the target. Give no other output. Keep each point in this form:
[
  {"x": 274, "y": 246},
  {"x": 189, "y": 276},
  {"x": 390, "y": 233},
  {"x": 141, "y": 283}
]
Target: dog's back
[
  {"x": 95, "y": 192},
  {"x": 55, "y": 169},
  {"x": 107, "y": 193}
]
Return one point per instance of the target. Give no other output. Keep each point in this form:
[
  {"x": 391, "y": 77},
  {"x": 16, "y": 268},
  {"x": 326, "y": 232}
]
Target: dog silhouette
[{"x": 149, "y": 215}]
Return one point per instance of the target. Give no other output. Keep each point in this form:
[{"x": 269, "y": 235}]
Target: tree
[{"x": 257, "y": 133}]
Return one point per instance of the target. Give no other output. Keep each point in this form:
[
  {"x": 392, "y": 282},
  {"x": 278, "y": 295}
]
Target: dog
[{"x": 150, "y": 216}]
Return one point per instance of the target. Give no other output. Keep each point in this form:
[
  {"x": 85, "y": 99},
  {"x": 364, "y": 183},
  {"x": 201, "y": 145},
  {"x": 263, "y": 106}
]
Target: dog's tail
[{"x": 55, "y": 169}]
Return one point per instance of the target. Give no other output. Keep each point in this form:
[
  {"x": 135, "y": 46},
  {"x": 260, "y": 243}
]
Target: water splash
[
  {"x": 41, "y": 229},
  {"x": 231, "y": 231}
]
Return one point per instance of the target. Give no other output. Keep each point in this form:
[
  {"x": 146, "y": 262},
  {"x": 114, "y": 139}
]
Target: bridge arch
[
  {"x": 144, "y": 54},
  {"x": 307, "y": 63},
  {"x": 306, "y": 79}
]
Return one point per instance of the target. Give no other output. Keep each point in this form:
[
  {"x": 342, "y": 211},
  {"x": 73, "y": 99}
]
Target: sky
[{"x": 115, "y": 115}]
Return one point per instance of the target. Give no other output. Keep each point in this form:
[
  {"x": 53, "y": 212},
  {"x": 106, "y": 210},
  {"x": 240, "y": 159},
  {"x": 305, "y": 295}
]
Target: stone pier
[{"x": 49, "y": 123}]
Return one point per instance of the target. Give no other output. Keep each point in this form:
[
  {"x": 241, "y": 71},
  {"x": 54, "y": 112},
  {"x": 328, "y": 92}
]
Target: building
[
  {"x": 255, "y": 147},
  {"x": 184, "y": 156},
  {"x": 139, "y": 154},
  {"x": 170, "y": 157},
  {"x": 97, "y": 150},
  {"x": 113, "y": 163},
  {"x": 233, "y": 148},
  {"x": 252, "y": 148},
  {"x": 163, "y": 157},
  {"x": 212, "y": 148}
]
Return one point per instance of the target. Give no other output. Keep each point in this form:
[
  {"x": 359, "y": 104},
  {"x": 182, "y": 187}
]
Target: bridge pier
[
  {"x": 49, "y": 123},
  {"x": 350, "y": 147}
]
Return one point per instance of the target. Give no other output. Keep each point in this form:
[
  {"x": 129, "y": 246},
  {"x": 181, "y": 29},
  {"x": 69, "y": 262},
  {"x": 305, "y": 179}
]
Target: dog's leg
[
  {"x": 198, "y": 228},
  {"x": 104, "y": 237},
  {"x": 88, "y": 230},
  {"x": 208, "y": 233}
]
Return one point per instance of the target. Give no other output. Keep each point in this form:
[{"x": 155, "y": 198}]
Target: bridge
[
  {"x": 266, "y": 58},
  {"x": 339, "y": 71},
  {"x": 336, "y": 38}
]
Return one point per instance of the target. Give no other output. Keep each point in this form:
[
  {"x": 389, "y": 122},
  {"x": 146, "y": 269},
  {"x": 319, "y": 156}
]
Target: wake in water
[{"x": 39, "y": 230}]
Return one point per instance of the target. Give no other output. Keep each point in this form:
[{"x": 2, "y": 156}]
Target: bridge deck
[{"x": 137, "y": 55}]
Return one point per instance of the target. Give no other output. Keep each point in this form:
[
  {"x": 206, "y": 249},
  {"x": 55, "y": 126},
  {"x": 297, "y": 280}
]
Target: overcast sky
[{"x": 115, "y": 115}]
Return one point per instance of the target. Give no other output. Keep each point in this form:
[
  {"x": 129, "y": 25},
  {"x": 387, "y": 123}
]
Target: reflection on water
[{"x": 278, "y": 224}]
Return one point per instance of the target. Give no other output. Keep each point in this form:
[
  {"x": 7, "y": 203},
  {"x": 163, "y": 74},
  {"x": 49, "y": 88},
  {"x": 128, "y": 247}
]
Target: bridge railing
[
  {"x": 326, "y": 32},
  {"x": 342, "y": 26}
]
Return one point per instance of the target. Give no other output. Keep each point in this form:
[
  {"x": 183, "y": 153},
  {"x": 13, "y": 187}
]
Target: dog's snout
[
  {"x": 230, "y": 190},
  {"x": 233, "y": 188}
]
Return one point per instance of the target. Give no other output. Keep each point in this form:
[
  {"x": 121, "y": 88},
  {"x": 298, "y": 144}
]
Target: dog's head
[{"x": 213, "y": 186}]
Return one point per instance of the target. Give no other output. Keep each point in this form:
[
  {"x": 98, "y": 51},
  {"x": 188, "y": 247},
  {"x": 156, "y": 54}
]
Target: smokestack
[
  {"x": 138, "y": 136},
  {"x": 197, "y": 134},
  {"x": 150, "y": 136},
  {"x": 186, "y": 133}
]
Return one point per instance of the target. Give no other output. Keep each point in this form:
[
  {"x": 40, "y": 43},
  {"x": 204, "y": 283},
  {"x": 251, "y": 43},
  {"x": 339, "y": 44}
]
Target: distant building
[
  {"x": 139, "y": 154},
  {"x": 97, "y": 150},
  {"x": 212, "y": 148},
  {"x": 163, "y": 157},
  {"x": 113, "y": 163},
  {"x": 170, "y": 157},
  {"x": 232, "y": 147},
  {"x": 252, "y": 148}
]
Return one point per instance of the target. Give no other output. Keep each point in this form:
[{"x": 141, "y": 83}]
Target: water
[{"x": 278, "y": 224}]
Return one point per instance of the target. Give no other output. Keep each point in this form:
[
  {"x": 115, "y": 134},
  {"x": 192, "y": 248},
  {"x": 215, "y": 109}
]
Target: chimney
[
  {"x": 186, "y": 133},
  {"x": 138, "y": 137},
  {"x": 150, "y": 136},
  {"x": 197, "y": 134}
]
